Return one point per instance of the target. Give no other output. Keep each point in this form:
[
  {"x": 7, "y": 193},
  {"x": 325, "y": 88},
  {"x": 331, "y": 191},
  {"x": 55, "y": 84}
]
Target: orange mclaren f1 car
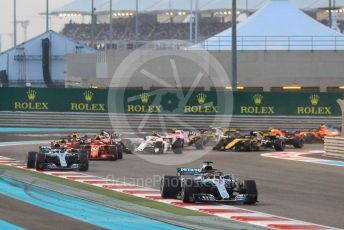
[{"x": 318, "y": 135}]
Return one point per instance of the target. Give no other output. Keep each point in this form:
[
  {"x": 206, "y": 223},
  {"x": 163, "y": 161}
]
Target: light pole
[
  {"x": 330, "y": 13},
  {"x": 334, "y": 17},
  {"x": 47, "y": 17},
  {"x": 137, "y": 23},
  {"x": 92, "y": 25},
  {"x": 110, "y": 24},
  {"x": 191, "y": 20},
  {"x": 14, "y": 22},
  {"x": 196, "y": 20},
  {"x": 246, "y": 8},
  {"x": 234, "y": 48}
]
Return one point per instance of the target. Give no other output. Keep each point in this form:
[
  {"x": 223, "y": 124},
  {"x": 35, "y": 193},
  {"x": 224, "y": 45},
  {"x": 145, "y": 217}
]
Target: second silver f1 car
[{"x": 207, "y": 184}]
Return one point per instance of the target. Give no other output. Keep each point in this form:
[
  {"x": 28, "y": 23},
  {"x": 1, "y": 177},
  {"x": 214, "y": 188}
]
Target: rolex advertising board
[
  {"x": 284, "y": 104},
  {"x": 26, "y": 99},
  {"x": 179, "y": 102},
  {"x": 31, "y": 101},
  {"x": 172, "y": 102},
  {"x": 317, "y": 104},
  {"x": 88, "y": 100},
  {"x": 53, "y": 100}
]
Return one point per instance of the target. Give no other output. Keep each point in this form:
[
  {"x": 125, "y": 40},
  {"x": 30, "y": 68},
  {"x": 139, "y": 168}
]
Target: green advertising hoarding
[
  {"x": 53, "y": 100},
  {"x": 179, "y": 102},
  {"x": 293, "y": 104},
  {"x": 164, "y": 101}
]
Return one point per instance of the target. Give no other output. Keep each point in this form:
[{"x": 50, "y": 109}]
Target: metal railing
[
  {"x": 265, "y": 43},
  {"x": 134, "y": 121},
  {"x": 145, "y": 45},
  {"x": 332, "y": 43}
]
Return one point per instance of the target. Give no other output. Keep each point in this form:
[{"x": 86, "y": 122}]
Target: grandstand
[
  {"x": 170, "y": 19},
  {"x": 124, "y": 30},
  {"x": 302, "y": 52}
]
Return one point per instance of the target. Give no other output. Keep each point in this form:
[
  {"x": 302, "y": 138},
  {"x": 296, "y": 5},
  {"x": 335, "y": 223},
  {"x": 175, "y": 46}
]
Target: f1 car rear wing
[{"x": 188, "y": 171}]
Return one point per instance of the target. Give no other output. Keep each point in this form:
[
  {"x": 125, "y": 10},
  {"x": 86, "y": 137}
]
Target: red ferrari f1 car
[{"x": 103, "y": 147}]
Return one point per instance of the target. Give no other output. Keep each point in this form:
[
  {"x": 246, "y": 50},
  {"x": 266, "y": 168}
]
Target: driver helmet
[
  {"x": 116, "y": 135},
  {"x": 207, "y": 167},
  {"x": 209, "y": 175},
  {"x": 155, "y": 134},
  {"x": 105, "y": 134},
  {"x": 323, "y": 126},
  {"x": 75, "y": 135}
]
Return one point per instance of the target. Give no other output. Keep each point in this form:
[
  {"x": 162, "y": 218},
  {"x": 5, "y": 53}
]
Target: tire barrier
[{"x": 334, "y": 147}]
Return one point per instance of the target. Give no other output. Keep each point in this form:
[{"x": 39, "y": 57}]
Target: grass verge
[{"x": 109, "y": 193}]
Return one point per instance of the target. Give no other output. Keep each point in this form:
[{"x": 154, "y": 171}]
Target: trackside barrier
[
  {"x": 170, "y": 102},
  {"x": 152, "y": 122},
  {"x": 334, "y": 147},
  {"x": 341, "y": 104}
]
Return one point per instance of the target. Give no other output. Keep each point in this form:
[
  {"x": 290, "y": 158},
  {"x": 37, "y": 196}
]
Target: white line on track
[{"x": 302, "y": 157}]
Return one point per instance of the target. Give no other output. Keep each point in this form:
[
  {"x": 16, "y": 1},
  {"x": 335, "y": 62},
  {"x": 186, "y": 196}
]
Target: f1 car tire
[
  {"x": 248, "y": 146},
  {"x": 199, "y": 143},
  {"x": 250, "y": 189},
  {"x": 113, "y": 151},
  {"x": 170, "y": 187},
  {"x": 119, "y": 151},
  {"x": 84, "y": 162},
  {"x": 177, "y": 147},
  {"x": 298, "y": 143},
  {"x": 279, "y": 145},
  {"x": 31, "y": 160},
  {"x": 220, "y": 145},
  {"x": 128, "y": 147},
  {"x": 40, "y": 159},
  {"x": 310, "y": 139},
  {"x": 159, "y": 147},
  {"x": 188, "y": 191}
]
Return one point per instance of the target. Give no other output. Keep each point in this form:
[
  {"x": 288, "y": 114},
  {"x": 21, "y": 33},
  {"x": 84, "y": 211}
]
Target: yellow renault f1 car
[
  {"x": 255, "y": 141},
  {"x": 205, "y": 137}
]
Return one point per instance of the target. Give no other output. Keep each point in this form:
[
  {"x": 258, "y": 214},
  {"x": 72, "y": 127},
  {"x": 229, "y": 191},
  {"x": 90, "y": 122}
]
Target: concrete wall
[{"x": 255, "y": 68}]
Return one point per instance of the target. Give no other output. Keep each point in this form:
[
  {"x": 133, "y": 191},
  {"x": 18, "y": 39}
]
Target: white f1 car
[{"x": 157, "y": 144}]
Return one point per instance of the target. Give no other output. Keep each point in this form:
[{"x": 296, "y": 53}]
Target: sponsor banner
[
  {"x": 293, "y": 104},
  {"x": 179, "y": 102},
  {"x": 176, "y": 102},
  {"x": 89, "y": 100},
  {"x": 53, "y": 100}
]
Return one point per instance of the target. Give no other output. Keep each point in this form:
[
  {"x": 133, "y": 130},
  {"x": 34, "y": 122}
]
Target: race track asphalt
[
  {"x": 298, "y": 190},
  {"x": 31, "y": 217}
]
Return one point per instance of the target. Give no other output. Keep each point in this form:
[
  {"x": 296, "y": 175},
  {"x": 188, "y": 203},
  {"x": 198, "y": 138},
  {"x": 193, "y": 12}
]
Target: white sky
[
  {"x": 27, "y": 10},
  {"x": 30, "y": 9}
]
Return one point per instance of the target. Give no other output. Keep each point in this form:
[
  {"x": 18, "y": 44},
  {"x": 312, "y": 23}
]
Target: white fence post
[
  {"x": 334, "y": 147},
  {"x": 341, "y": 104}
]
